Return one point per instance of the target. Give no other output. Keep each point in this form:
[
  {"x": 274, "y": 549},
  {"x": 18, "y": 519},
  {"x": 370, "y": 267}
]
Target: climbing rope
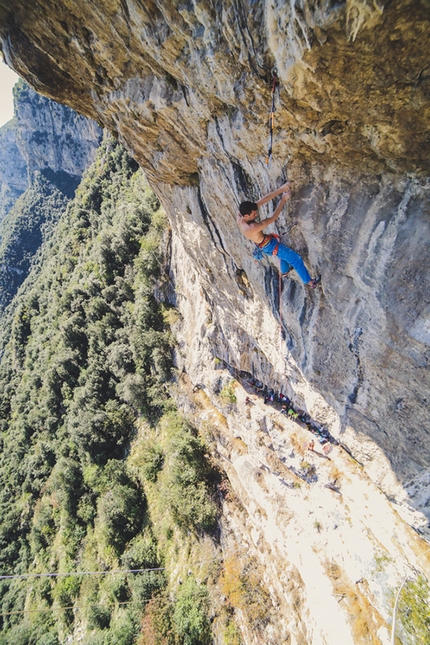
[
  {"x": 275, "y": 85},
  {"x": 280, "y": 308}
]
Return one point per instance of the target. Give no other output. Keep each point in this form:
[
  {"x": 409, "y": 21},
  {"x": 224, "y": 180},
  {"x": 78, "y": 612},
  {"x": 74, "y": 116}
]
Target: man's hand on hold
[{"x": 286, "y": 196}]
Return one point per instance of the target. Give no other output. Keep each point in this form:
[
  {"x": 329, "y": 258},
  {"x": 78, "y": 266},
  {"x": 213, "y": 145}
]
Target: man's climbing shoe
[{"x": 314, "y": 282}]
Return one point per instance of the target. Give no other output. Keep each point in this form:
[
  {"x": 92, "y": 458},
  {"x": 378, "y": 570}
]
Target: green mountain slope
[
  {"x": 28, "y": 224},
  {"x": 44, "y": 150},
  {"x": 91, "y": 447}
]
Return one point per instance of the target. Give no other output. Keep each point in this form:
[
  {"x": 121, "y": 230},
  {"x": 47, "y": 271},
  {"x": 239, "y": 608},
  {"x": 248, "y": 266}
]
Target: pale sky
[{"x": 8, "y": 78}]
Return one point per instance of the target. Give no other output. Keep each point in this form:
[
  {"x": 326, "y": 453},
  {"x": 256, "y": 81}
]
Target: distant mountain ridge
[
  {"x": 13, "y": 168},
  {"x": 51, "y": 135},
  {"x": 44, "y": 151}
]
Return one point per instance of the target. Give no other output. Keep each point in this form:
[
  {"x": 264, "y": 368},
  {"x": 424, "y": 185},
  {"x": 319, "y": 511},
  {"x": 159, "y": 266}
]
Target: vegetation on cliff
[
  {"x": 28, "y": 224},
  {"x": 44, "y": 151},
  {"x": 97, "y": 471}
]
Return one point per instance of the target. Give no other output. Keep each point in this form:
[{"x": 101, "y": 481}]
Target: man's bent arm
[
  {"x": 269, "y": 220},
  {"x": 278, "y": 209},
  {"x": 274, "y": 193}
]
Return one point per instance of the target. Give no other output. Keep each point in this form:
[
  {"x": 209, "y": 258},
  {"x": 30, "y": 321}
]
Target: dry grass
[
  {"x": 335, "y": 473},
  {"x": 202, "y": 400},
  {"x": 364, "y": 619},
  {"x": 170, "y": 315},
  {"x": 295, "y": 600},
  {"x": 231, "y": 583},
  {"x": 154, "y": 626},
  {"x": 239, "y": 447},
  {"x": 277, "y": 465},
  {"x": 241, "y": 582},
  {"x": 300, "y": 444}
]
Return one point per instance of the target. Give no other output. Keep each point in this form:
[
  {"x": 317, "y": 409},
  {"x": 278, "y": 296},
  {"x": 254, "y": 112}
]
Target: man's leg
[
  {"x": 285, "y": 267},
  {"x": 288, "y": 256}
]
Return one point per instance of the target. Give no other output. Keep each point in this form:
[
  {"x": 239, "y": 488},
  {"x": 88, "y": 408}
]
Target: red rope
[{"x": 280, "y": 293}]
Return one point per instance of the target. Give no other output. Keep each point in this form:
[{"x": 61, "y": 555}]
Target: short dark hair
[{"x": 246, "y": 208}]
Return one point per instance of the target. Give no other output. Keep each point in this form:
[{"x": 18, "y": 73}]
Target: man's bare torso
[
  {"x": 251, "y": 230},
  {"x": 247, "y": 223}
]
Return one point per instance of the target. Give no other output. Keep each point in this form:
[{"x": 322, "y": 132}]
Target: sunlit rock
[{"x": 187, "y": 89}]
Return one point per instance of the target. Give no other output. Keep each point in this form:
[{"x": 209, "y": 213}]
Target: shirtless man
[{"x": 267, "y": 243}]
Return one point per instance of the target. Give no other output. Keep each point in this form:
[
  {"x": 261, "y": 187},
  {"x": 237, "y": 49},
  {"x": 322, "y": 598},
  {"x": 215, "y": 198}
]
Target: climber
[{"x": 268, "y": 243}]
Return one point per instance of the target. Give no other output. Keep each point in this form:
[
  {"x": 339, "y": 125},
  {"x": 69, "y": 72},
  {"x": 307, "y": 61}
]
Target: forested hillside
[
  {"x": 44, "y": 150},
  {"x": 98, "y": 472},
  {"x": 31, "y": 221}
]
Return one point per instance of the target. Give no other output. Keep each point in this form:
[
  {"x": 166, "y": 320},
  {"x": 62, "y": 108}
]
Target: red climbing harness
[{"x": 267, "y": 239}]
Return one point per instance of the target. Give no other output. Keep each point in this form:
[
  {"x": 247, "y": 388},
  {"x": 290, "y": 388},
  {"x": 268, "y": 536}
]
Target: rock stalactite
[{"x": 187, "y": 89}]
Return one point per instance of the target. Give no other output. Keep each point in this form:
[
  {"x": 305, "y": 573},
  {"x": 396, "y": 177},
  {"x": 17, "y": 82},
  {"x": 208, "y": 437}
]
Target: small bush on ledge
[{"x": 227, "y": 393}]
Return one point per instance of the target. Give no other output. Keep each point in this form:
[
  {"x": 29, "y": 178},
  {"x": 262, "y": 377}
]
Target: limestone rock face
[
  {"x": 43, "y": 135},
  {"x": 13, "y": 169},
  {"x": 51, "y": 135},
  {"x": 163, "y": 74},
  {"x": 187, "y": 88}
]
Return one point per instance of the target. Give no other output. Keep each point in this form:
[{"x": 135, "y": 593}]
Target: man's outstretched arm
[
  {"x": 274, "y": 193},
  {"x": 258, "y": 226},
  {"x": 278, "y": 209}
]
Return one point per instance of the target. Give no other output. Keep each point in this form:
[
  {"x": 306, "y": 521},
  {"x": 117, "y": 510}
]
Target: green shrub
[
  {"x": 43, "y": 529},
  {"x": 84, "y": 351},
  {"x": 86, "y": 510},
  {"x": 145, "y": 585},
  {"x": 414, "y": 610},
  {"x": 152, "y": 461},
  {"x": 66, "y": 484},
  {"x": 48, "y": 638},
  {"x": 232, "y": 635},
  {"x": 122, "y": 632},
  {"x": 186, "y": 477},
  {"x": 227, "y": 393},
  {"x": 190, "y": 616},
  {"x": 191, "y": 506},
  {"x": 97, "y": 638},
  {"x": 141, "y": 553},
  {"x": 119, "y": 589},
  {"x": 98, "y": 617},
  {"x": 66, "y": 590},
  {"x": 19, "y": 635},
  {"x": 120, "y": 513}
]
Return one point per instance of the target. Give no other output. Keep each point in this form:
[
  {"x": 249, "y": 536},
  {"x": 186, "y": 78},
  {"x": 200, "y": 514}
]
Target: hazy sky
[{"x": 8, "y": 78}]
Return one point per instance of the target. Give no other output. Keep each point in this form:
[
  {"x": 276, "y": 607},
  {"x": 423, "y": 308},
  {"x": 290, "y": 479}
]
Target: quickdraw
[{"x": 275, "y": 84}]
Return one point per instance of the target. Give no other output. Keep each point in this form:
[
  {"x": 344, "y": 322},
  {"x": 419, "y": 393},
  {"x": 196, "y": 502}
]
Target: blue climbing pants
[{"x": 288, "y": 258}]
